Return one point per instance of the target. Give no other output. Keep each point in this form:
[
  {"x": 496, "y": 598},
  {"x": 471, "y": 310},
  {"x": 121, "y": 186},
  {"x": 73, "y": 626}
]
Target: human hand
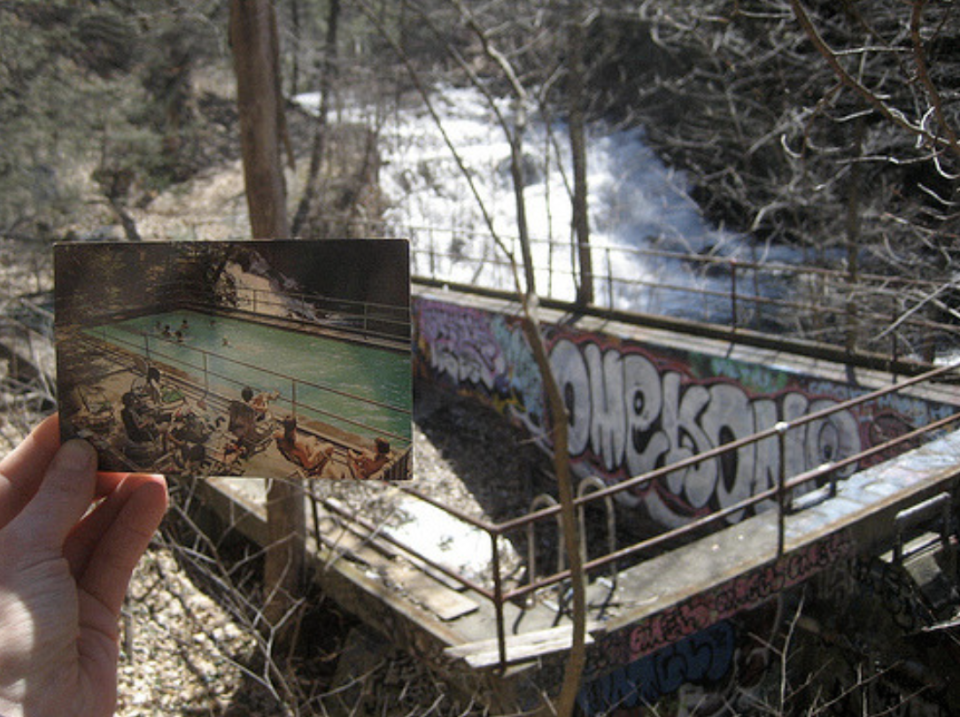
[{"x": 65, "y": 563}]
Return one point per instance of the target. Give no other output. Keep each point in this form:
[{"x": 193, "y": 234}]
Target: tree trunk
[
  {"x": 581, "y": 222},
  {"x": 254, "y": 39},
  {"x": 328, "y": 72},
  {"x": 255, "y": 54},
  {"x": 853, "y": 236},
  {"x": 519, "y": 183}
]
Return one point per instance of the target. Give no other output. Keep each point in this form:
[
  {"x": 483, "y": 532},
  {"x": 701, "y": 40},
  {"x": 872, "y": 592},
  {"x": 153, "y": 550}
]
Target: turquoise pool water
[{"x": 352, "y": 386}]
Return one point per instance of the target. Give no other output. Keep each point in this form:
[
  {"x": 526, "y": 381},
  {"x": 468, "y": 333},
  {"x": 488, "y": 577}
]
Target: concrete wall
[{"x": 642, "y": 398}]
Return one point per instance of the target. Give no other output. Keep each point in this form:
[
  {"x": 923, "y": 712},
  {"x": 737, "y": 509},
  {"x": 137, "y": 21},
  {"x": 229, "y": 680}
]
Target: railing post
[
  {"x": 733, "y": 294},
  {"x": 782, "y": 428},
  {"x": 550, "y": 264},
  {"x": 609, "y": 280},
  {"x": 587, "y": 485},
  {"x": 498, "y": 602},
  {"x": 544, "y": 500}
]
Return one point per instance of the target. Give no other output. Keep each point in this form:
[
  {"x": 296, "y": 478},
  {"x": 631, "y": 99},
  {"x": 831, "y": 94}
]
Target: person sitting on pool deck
[
  {"x": 305, "y": 451},
  {"x": 365, "y": 463},
  {"x": 140, "y": 425},
  {"x": 259, "y": 402}
]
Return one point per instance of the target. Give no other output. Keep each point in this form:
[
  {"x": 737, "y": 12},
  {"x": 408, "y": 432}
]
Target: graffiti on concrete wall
[
  {"x": 461, "y": 344},
  {"x": 744, "y": 592},
  {"x": 630, "y": 416},
  {"x": 728, "y": 667},
  {"x": 477, "y": 351},
  {"x": 633, "y": 408},
  {"x": 694, "y": 644},
  {"x": 703, "y": 659}
]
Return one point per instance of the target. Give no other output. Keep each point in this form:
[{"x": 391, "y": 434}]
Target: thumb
[{"x": 65, "y": 493}]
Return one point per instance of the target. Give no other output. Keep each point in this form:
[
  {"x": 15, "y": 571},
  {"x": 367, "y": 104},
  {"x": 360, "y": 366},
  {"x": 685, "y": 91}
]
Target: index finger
[{"x": 23, "y": 469}]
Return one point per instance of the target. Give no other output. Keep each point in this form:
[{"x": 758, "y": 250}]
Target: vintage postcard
[{"x": 250, "y": 358}]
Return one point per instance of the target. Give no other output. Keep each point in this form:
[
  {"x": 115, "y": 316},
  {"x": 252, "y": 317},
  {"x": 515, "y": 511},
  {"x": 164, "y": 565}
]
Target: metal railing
[
  {"x": 158, "y": 349},
  {"x": 387, "y": 323},
  {"x": 894, "y": 315},
  {"x": 365, "y": 318},
  {"x": 778, "y": 497},
  {"x": 902, "y": 317}
]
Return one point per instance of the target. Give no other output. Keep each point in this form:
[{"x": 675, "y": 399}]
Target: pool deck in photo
[{"x": 98, "y": 376}]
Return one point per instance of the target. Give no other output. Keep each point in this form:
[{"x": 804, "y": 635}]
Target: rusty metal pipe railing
[
  {"x": 547, "y": 501},
  {"x": 499, "y": 596},
  {"x": 867, "y": 285},
  {"x": 656, "y": 541},
  {"x": 590, "y": 484},
  {"x": 720, "y": 515},
  {"x": 737, "y": 444}
]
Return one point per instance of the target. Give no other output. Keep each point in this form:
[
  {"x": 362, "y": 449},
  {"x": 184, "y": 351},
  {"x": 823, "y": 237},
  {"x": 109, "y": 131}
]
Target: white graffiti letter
[
  {"x": 643, "y": 402},
  {"x": 832, "y": 438},
  {"x": 679, "y": 421},
  {"x": 607, "y": 432},
  {"x": 574, "y": 383},
  {"x": 727, "y": 418}
]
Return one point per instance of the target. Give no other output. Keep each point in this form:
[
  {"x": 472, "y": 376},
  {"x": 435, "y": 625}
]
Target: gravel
[{"x": 191, "y": 646}]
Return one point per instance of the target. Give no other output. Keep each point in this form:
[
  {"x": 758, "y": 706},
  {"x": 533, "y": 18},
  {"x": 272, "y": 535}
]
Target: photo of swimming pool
[
  {"x": 360, "y": 388},
  {"x": 286, "y": 359}
]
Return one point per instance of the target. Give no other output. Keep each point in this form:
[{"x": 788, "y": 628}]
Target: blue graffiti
[
  {"x": 703, "y": 659},
  {"x": 522, "y": 377}
]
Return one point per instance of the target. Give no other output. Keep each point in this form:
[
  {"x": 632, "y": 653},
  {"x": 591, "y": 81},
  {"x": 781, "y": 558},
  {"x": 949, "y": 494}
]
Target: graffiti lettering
[
  {"x": 701, "y": 659},
  {"x": 744, "y": 592},
  {"x": 461, "y": 344},
  {"x": 629, "y": 417},
  {"x": 522, "y": 380},
  {"x": 632, "y": 410}
]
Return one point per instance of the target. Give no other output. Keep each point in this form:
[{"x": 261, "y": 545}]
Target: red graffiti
[{"x": 744, "y": 592}]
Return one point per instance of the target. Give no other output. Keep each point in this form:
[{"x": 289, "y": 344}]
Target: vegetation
[
  {"x": 829, "y": 126},
  {"x": 738, "y": 94}
]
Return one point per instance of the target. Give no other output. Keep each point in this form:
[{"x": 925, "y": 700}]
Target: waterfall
[{"x": 637, "y": 203}]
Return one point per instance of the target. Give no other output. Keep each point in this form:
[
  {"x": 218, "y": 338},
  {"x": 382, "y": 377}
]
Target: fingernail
[{"x": 75, "y": 456}]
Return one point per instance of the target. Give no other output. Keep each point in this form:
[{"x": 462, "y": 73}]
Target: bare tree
[
  {"x": 254, "y": 38},
  {"x": 328, "y": 73},
  {"x": 575, "y": 102},
  {"x": 558, "y": 420}
]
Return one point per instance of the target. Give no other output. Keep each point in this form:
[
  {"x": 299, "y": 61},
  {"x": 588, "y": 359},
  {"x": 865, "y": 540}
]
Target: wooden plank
[
  {"x": 344, "y": 544},
  {"x": 388, "y": 548},
  {"x": 485, "y": 654},
  {"x": 445, "y": 603}
]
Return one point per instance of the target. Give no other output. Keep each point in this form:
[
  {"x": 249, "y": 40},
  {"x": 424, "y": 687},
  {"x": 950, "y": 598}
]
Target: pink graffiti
[
  {"x": 458, "y": 342},
  {"x": 744, "y": 592}
]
